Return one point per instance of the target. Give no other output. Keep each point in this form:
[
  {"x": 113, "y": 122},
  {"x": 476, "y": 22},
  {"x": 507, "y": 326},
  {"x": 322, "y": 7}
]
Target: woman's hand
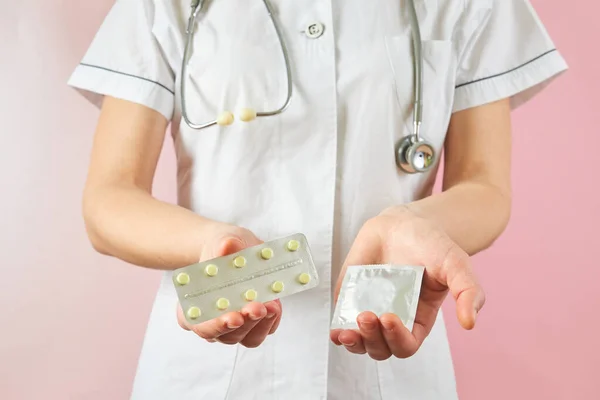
[
  {"x": 255, "y": 321},
  {"x": 398, "y": 236}
]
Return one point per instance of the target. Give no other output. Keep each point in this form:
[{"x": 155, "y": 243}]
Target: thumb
[
  {"x": 229, "y": 241},
  {"x": 233, "y": 244},
  {"x": 464, "y": 287}
]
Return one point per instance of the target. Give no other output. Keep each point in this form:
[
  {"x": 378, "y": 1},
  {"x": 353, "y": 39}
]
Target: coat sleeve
[
  {"x": 506, "y": 52},
  {"x": 125, "y": 60}
]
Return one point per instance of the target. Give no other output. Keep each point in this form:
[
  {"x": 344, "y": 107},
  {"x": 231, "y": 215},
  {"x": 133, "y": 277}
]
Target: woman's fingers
[
  {"x": 352, "y": 341},
  {"x": 334, "y": 335},
  {"x": 219, "y": 326},
  {"x": 253, "y": 314},
  {"x": 372, "y": 336},
  {"x": 400, "y": 341},
  {"x": 213, "y": 328},
  {"x": 276, "y": 308},
  {"x": 381, "y": 337},
  {"x": 257, "y": 335},
  {"x": 249, "y": 327}
]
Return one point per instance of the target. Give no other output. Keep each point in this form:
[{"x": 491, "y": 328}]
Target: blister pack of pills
[
  {"x": 262, "y": 273},
  {"x": 381, "y": 289}
]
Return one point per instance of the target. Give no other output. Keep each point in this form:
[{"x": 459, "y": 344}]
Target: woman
[{"x": 325, "y": 167}]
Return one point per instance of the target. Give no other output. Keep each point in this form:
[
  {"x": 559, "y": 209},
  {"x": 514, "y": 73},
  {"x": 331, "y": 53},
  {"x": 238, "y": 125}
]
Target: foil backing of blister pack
[
  {"x": 262, "y": 273},
  {"x": 381, "y": 289}
]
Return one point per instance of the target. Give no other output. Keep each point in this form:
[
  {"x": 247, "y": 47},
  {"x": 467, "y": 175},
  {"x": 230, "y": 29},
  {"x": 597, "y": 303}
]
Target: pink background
[{"x": 72, "y": 321}]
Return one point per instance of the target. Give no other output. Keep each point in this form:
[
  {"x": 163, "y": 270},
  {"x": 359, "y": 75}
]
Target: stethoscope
[{"x": 413, "y": 153}]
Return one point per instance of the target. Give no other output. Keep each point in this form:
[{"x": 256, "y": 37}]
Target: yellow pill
[
  {"x": 266, "y": 253},
  {"x": 247, "y": 114},
  {"x": 194, "y": 312},
  {"x": 211, "y": 270},
  {"x": 225, "y": 118},
  {"x": 293, "y": 245},
  {"x": 222, "y": 303},
  {"x": 304, "y": 278},
  {"x": 250, "y": 295},
  {"x": 183, "y": 278},
  {"x": 239, "y": 262},
  {"x": 277, "y": 287}
]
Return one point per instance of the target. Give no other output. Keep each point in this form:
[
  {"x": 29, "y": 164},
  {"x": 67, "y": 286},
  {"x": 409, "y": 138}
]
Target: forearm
[
  {"x": 473, "y": 214},
  {"x": 128, "y": 223}
]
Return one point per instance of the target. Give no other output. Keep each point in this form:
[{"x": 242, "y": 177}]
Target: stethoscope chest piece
[{"x": 414, "y": 155}]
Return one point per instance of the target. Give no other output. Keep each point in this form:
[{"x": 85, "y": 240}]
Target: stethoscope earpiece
[
  {"x": 226, "y": 118},
  {"x": 414, "y": 155}
]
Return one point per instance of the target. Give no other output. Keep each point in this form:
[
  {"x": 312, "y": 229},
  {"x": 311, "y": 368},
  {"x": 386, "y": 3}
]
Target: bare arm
[
  {"x": 466, "y": 217},
  {"x": 122, "y": 218},
  {"x": 474, "y": 207}
]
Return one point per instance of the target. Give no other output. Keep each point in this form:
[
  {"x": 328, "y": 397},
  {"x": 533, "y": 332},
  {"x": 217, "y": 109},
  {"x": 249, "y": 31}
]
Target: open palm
[{"x": 397, "y": 236}]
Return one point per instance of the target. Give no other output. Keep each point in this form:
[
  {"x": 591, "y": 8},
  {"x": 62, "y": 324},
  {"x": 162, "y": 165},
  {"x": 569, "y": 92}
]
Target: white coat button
[{"x": 314, "y": 30}]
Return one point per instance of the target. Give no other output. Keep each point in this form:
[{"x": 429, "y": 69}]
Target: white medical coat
[{"x": 323, "y": 167}]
